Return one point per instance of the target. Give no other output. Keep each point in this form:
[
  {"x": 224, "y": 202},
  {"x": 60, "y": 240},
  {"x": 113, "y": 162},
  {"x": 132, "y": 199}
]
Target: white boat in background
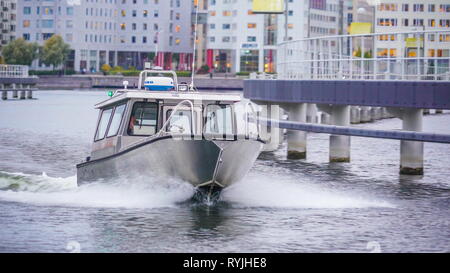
[{"x": 208, "y": 139}]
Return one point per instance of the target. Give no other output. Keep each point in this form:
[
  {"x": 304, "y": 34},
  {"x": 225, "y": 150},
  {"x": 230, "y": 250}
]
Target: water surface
[{"x": 280, "y": 206}]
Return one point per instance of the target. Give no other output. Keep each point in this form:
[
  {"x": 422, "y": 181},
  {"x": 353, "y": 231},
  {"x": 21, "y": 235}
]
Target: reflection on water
[{"x": 281, "y": 205}]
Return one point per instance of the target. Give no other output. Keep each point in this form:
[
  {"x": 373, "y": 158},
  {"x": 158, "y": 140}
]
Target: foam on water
[
  {"x": 262, "y": 190},
  {"x": 256, "y": 190},
  {"x": 136, "y": 193}
]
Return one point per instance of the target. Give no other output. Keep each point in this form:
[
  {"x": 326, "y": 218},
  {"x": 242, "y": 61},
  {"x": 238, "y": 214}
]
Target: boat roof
[{"x": 176, "y": 95}]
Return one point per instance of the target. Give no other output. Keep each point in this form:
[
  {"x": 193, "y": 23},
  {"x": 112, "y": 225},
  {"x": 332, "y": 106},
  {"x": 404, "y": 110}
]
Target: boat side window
[
  {"x": 180, "y": 121},
  {"x": 116, "y": 120},
  {"x": 144, "y": 119},
  {"x": 103, "y": 124},
  {"x": 219, "y": 119}
]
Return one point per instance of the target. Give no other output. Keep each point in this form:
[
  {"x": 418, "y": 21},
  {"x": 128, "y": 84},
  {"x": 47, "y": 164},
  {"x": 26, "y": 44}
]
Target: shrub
[
  {"x": 183, "y": 73},
  {"x": 203, "y": 69},
  {"x": 106, "y": 68},
  {"x": 117, "y": 68},
  {"x": 51, "y": 72},
  {"x": 242, "y": 73},
  {"x": 130, "y": 73}
]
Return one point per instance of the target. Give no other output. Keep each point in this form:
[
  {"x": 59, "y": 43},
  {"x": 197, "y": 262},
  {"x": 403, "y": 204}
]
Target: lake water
[{"x": 280, "y": 206}]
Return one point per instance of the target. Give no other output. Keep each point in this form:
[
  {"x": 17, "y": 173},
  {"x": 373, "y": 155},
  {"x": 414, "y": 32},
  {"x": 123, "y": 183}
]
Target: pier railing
[
  {"x": 414, "y": 55},
  {"x": 13, "y": 71}
]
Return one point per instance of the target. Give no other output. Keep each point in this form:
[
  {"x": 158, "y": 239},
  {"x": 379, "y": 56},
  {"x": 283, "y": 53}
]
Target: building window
[
  {"x": 418, "y": 7},
  {"x": 431, "y": 8},
  {"x": 249, "y": 60},
  {"x": 405, "y": 7}
]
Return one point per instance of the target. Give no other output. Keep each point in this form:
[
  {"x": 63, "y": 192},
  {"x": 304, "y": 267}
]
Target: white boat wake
[
  {"x": 263, "y": 190},
  {"x": 257, "y": 190},
  {"x": 139, "y": 193}
]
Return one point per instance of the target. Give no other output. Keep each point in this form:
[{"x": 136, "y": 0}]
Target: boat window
[
  {"x": 143, "y": 121},
  {"x": 116, "y": 120},
  {"x": 180, "y": 121},
  {"x": 219, "y": 120},
  {"x": 103, "y": 124}
]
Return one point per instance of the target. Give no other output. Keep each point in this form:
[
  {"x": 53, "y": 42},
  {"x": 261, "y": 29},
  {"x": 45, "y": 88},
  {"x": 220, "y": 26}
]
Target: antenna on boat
[{"x": 191, "y": 86}]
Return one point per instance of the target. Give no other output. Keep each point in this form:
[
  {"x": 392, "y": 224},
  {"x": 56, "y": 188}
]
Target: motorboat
[{"x": 208, "y": 139}]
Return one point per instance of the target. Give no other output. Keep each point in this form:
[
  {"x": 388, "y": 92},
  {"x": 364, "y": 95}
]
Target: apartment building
[
  {"x": 117, "y": 32},
  {"x": 412, "y": 15},
  {"x": 8, "y": 9},
  {"x": 242, "y": 41}
]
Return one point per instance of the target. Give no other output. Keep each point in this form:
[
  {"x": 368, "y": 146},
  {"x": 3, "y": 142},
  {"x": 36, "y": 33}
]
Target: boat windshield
[
  {"x": 219, "y": 120},
  {"x": 180, "y": 121},
  {"x": 103, "y": 124},
  {"x": 143, "y": 120}
]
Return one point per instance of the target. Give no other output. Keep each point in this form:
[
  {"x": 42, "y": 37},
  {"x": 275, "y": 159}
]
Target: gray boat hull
[{"x": 199, "y": 162}]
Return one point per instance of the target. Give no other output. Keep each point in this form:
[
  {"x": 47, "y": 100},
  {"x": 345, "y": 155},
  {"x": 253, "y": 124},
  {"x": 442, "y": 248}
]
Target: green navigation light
[{"x": 110, "y": 93}]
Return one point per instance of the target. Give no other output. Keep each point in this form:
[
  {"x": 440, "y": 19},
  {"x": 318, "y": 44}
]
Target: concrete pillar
[
  {"x": 340, "y": 145},
  {"x": 325, "y": 118},
  {"x": 282, "y": 116},
  {"x": 311, "y": 113},
  {"x": 426, "y": 111},
  {"x": 4, "y": 95},
  {"x": 14, "y": 87},
  {"x": 29, "y": 94},
  {"x": 375, "y": 113},
  {"x": 15, "y": 94},
  {"x": 297, "y": 139},
  {"x": 384, "y": 113},
  {"x": 22, "y": 95},
  {"x": 411, "y": 152},
  {"x": 355, "y": 115},
  {"x": 438, "y": 111},
  {"x": 365, "y": 114}
]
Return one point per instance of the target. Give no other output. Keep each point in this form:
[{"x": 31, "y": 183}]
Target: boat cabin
[{"x": 131, "y": 116}]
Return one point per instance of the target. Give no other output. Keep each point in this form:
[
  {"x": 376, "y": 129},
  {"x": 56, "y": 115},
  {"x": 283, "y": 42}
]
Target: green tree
[
  {"x": 20, "y": 51},
  {"x": 55, "y": 51}
]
